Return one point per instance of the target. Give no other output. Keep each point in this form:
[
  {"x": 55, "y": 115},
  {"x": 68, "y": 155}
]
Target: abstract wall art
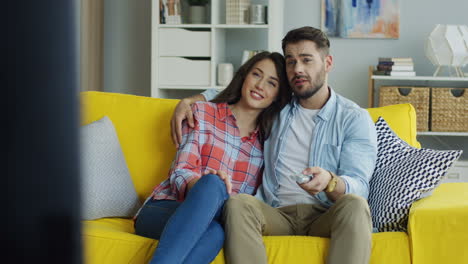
[{"x": 361, "y": 18}]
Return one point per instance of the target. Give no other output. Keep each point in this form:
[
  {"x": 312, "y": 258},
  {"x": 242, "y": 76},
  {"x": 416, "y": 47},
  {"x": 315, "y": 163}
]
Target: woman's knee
[{"x": 211, "y": 182}]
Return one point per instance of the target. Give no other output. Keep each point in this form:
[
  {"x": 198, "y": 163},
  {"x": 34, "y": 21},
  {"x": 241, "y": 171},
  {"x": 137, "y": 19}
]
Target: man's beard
[{"x": 314, "y": 87}]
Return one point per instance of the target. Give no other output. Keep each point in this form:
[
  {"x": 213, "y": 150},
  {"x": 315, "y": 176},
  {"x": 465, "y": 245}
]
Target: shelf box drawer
[
  {"x": 449, "y": 109},
  {"x": 184, "y": 43},
  {"x": 182, "y": 71},
  {"x": 419, "y": 97},
  {"x": 457, "y": 173}
]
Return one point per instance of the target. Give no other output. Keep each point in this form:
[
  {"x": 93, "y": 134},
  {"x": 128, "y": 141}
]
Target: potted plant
[{"x": 197, "y": 11}]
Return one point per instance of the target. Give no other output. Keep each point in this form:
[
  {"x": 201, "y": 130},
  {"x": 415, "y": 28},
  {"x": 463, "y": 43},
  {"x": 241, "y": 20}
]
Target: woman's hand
[
  {"x": 223, "y": 176},
  {"x": 191, "y": 184}
]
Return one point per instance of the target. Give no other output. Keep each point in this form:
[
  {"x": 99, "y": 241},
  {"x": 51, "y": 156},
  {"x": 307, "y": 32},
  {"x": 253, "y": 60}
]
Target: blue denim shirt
[{"x": 344, "y": 142}]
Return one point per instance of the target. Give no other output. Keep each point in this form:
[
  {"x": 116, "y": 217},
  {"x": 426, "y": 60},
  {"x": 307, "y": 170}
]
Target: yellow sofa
[{"x": 438, "y": 225}]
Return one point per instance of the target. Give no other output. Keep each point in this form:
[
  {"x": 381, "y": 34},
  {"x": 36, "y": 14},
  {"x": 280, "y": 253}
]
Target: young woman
[{"x": 221, "y": 156}]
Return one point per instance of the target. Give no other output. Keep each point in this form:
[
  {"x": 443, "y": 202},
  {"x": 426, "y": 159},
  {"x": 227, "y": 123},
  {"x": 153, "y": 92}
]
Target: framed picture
[{"x": 361, "y": 18}]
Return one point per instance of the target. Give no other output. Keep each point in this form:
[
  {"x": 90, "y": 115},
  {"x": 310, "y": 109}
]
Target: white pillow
[
  {"x": 107, "y": 189},
  {"x": 402, "y": 175}
]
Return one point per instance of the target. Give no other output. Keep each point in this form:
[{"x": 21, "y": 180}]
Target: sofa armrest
[{"x": 438, "y": 226}]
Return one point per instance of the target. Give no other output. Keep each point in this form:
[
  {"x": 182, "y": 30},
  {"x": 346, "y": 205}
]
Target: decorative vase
[
  {"x": 197, "y": 14},
  {"x": 225, "y": 73}
]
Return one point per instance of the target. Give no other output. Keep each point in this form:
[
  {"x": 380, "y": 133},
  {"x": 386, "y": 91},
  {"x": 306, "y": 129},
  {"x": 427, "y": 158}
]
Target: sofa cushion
[
  {"x": 401, "y": 175},
  {"x": 437, "y": 225},
  {"x": 143, "y": 126},
  {"x": 113, "y": 241},
  {"x": 107, "y": 189}
]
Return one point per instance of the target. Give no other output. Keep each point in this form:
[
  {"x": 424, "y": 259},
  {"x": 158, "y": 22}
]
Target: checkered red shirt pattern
[{"x": 214, "y": 143}]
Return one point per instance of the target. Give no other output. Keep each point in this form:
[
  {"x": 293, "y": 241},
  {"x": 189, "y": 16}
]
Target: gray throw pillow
[{"x": 107, "y": 189}]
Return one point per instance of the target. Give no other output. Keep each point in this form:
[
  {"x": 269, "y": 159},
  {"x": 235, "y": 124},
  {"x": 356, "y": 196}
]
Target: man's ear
[{"x": 328, "y": 63}]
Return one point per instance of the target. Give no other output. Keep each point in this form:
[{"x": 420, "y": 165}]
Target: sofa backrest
[
  {"x": 401, "y": 118},
  {"x": 143, "y": 128}
]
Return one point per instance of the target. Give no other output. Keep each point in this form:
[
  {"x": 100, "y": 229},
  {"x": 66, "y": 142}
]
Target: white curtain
[{"x": 91, "y": 45}]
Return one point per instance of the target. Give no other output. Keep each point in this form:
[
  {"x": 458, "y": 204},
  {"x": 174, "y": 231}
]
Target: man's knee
[
  {"x": 352, "y": 212},
  {"x": 354, "y": 201},
  {"x": 351, "y": 204},
  {"x": 238, "y": 204}
]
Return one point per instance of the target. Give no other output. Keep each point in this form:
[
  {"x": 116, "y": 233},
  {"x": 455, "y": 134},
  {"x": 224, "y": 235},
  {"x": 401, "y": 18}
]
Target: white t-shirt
[{"x": 295, "y": 158}]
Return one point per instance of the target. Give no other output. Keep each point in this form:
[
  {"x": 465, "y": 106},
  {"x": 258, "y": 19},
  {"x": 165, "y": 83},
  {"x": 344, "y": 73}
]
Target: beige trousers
[{"x": 347, "y": 223}]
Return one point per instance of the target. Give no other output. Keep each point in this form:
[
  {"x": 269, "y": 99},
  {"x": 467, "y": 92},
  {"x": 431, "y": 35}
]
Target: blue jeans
[{"x": 188, "y": 231}]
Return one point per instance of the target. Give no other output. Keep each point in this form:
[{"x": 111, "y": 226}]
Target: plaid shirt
[{"x": 214, "y": 143}]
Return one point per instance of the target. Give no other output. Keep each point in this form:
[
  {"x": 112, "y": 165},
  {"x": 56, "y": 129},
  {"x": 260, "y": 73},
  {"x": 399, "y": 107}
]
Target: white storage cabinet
[{"x": 184, "y": 57}]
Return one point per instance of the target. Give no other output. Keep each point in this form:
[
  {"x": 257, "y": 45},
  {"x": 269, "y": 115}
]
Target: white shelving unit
[
  {"x": 451, "y": 134},
  {"x": 184, "y": 57},
  {"x": 411, "y": 80},
  {"x": 429, "y": 139},
  {"x": 420, "y": 78}
]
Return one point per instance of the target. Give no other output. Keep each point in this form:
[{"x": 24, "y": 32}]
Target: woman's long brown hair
[{"x": 233, "y": 92}]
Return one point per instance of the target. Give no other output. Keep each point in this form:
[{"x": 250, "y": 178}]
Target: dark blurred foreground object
[{"x": 43, "y": 216}]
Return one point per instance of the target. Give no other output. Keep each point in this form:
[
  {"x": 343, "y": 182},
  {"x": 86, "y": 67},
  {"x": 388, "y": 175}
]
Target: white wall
[
  {"x": 353, "y": 56},
  {"x": 127, "y": 46}
]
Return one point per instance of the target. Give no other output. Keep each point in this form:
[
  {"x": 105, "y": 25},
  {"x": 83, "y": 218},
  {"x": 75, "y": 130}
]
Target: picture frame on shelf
[{"x": 170, "y": 12}]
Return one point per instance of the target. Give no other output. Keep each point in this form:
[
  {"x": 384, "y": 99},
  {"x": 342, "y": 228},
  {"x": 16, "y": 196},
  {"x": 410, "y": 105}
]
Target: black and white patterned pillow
[{"x": 401, "y": 175}]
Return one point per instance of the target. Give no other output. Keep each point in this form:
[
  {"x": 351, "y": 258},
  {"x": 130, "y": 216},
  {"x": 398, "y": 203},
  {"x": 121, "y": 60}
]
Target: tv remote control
[{"x": 301, "y": 178}]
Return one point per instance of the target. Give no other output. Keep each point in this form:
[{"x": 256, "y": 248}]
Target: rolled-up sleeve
[
  {"x": 186, "y": 165},
  {"x": 358, "y": 154},
  {"x": 210, "y": 94}
]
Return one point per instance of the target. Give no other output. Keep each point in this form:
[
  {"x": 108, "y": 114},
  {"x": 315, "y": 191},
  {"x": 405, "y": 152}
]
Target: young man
[{"x": 321, "y": 134}]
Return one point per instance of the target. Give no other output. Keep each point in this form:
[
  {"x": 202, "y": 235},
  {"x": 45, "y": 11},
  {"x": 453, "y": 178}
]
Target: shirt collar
[
  {"x": 224, "y": 111},
  {"x": 327, "y": 109}
]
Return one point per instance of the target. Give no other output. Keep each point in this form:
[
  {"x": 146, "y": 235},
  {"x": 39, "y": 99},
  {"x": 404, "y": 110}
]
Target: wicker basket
[
  {"x": 449, "y": 112},
  {"x": 418, "y": 96}
]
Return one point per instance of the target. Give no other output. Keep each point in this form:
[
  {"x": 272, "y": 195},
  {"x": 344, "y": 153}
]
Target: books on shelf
[
  {"x": 395, "y": 73},
  {"x": 402, "y": 73},
  {"x": 237, "y": 11},
  {"x": 247, "y": 54},
  {"x": 395, "y": 59},
  {"x": 386, "y": 64},
  {"x": 395, "y": 66}
]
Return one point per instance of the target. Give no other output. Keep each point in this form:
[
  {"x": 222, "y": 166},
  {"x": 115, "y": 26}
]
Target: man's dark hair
[{"x": 316, "y": 35}]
